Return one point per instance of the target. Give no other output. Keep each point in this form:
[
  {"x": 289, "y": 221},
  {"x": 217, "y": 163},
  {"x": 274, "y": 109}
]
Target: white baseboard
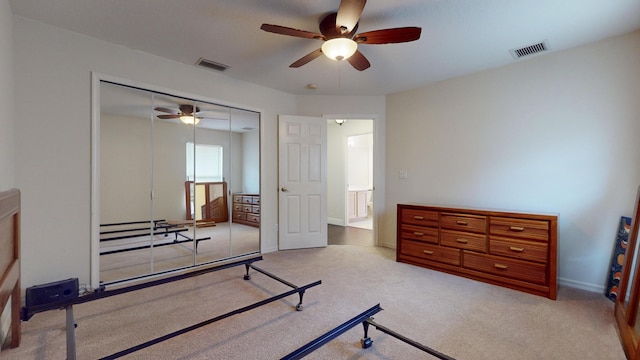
[
  {"x": 390, "y": 245},
  {"x": 335, "y": 221},
  {"x": 268, "y": 250},
  {"x": 581, "y": 285}
]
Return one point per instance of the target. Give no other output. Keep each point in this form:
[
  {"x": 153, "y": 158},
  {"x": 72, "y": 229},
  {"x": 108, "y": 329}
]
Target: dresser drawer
[
  {"x": 419, "y": 233},
  {"x": 247, "y": 199},
  {"x": 253, "y": 218},
  {"x": 256, "y": 209},
  {"x": 237, "y": 206},
  {"x": 501, "y": 266},
  {"x": 237, "y": 198},
  {"x": 519, "y": 249},
  {"x": 255, "y": 200},
  {"x": 463, "y": 240},
  {"x": 520, "y": 228},
  {"x": 431, "y": 252},
  {"x": 247, "y": 208},
  {"x": 240, "y": 216},
  {"x": 464, "y": 222},
  {"x": 420, "y": 217}
]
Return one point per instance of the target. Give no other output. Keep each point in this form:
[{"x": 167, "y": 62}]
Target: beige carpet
[{"x": 462, "y": 318}]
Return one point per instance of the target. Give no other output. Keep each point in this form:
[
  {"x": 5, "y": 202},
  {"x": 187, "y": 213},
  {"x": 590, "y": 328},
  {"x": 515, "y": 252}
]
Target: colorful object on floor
[{"x": 617, "y": 260}]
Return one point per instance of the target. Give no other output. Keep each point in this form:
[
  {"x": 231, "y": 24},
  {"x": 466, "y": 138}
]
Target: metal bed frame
[
  {"x": 366, "y": 319},
  {"x": 101, "y": 293}
]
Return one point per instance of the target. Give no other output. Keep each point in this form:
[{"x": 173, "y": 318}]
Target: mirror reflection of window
[{"x": 206, "y": 163}]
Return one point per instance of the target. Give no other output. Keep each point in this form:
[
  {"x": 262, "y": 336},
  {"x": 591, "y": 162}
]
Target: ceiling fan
[
  {"x": 338, "y": 31},
  {"x": 186, "y": 114}
]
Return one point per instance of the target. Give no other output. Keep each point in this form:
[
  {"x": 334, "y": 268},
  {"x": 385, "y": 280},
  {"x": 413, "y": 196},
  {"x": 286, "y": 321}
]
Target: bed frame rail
[{"x": 366, "y": 319}]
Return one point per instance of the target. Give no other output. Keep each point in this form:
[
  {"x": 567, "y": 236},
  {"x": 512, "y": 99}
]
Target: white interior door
[{"x": 302, "y": 177}]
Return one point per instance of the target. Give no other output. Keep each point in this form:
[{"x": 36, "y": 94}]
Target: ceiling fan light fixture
[
  {"x": 339, "y": 48},
  {"x": 189, "y": 120}
]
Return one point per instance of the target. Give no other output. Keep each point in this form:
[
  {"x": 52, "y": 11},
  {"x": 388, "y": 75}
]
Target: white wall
[
  {"x": 556, "y": 133},
  {"x": 7, "y": 116},
  {"x": 52, "y": 69},
  {"x": 250, "y": 162},
  {"x": 360, "y": 162}
]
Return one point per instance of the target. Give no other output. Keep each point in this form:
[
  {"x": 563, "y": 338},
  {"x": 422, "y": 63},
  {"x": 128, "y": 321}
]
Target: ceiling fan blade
[
  {"x": 358, "y": 61},
  {"x": 307, "y": 58},
  {"x": 168, "y": 116},
  {"x": 283, "y": 30},
  {"x": 389, "y": 36},
  {"x": 163, "y": 109},
  {"x": 348, "y": 15}
]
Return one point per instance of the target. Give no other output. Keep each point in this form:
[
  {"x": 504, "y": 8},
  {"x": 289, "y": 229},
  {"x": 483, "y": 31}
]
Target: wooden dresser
[
  {"x": 511, "y": 249},
  {"x": 246, "y": 209}
]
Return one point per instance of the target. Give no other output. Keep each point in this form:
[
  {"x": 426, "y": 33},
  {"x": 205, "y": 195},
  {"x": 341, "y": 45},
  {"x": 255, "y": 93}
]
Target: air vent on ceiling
[
  {"x": 529, "y": 50},
  {"x": 211, "y": 64}
]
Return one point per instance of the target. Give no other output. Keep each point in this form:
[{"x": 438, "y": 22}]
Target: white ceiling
[{"x": 458, "y": 36}]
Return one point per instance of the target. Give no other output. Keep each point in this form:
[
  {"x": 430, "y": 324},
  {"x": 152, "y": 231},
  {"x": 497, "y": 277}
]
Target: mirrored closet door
[{"x": 170, "y": 168}]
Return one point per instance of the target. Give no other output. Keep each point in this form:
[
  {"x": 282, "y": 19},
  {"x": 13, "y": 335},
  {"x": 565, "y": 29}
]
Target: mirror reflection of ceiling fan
[
  {"x": 186, "y": 114},
  {"x": 338, "y": 31},
  {"x": 189, "y": 114}
]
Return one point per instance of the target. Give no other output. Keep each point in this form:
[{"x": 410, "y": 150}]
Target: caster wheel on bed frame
[{"x": 299, "y": 307}]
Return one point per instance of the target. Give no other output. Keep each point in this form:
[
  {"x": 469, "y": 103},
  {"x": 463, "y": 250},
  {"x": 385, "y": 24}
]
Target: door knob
[{"x": 283, "y": 189}]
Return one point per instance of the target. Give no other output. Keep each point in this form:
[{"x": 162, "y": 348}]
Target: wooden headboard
[{"x": 10, "y": 259}]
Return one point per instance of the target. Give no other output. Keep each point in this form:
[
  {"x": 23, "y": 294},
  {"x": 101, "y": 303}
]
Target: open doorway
[
  {"x": 359, "y": 178},
  {"x": 350, "y": 194}
]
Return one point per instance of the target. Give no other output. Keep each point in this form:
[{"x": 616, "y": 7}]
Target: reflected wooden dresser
[
  {"x": 511, "y": 249},
  {"x": 246, "y": 209}
]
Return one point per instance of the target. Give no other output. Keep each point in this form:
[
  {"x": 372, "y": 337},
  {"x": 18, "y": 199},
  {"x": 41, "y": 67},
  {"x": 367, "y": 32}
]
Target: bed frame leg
[
  {"x": 71, "y": 333},
  {"x": 366, "y": 341},
  {"x": 247, "y": 276},
  {"x": 299, "y": 306}
]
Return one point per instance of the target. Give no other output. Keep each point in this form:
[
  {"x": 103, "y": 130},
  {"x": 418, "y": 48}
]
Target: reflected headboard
[{"x": 10, "y": 259}]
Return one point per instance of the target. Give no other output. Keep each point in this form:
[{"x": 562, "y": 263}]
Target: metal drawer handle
[
  {"x": 428, "y": 252},
  {"x": 418, "y": 217},
  {"x": 516, "y": 228},
  {"x": 462, "y": 222},
  {"x": 516, "y": 249},
  {"x": 418, "y": 234},
  {"x": 462, "y": 241},
  {"x": 500, "y": 266}
]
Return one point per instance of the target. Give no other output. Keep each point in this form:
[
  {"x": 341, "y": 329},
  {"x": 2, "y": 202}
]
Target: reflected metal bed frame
[{"x": 129, "y": 230}]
